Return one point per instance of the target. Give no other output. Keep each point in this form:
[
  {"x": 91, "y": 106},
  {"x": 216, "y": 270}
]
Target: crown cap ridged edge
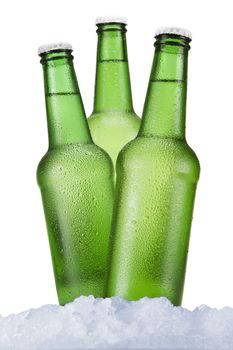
[
  {"x": 174, "y": 30},
  {"x": 103, "y": 20},
  {"x": 53, "y": 47}
]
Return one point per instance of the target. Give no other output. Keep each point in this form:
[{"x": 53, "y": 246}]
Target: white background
[{"x": 25, "y": 268}]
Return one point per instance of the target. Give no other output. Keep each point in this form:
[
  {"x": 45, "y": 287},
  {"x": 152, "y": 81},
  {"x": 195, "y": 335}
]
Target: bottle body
[
  {"x": 156, "y": 184},
  {"x": 76, "y": 182},
  {"x": 157, "y": 174},
  {"x": 113, "y": 122},
  {"x": 77, "y": 203}
]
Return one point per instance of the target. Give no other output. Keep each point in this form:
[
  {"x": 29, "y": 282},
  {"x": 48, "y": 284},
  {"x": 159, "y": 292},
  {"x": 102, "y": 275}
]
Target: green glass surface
[
  {"x": 113, "y": 122},
  {"x": 76, "y": 182},
  {"x": 157, "y": 174}
]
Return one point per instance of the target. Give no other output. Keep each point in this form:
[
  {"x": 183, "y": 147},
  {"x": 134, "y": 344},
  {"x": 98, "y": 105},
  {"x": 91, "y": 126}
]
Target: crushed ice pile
[{"x": 119, "y": 324}]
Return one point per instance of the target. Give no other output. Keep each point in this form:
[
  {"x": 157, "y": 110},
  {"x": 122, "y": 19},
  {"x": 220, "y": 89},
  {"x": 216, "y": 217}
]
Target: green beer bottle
[
  {"x": 157, "y": 174},
  {"x": 113, "y": 122},
  {"x": 76, "y": 182}
]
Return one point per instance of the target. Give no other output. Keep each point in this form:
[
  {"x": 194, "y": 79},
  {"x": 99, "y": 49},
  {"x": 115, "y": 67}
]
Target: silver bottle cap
[
  {"x": 174, "y": 30},
  {"x": 103, "y": 20},
  {"x": 53, "y": 47}
]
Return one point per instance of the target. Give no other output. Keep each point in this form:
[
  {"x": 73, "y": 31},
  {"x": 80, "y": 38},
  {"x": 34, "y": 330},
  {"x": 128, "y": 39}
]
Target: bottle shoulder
[
  {"x": 157, "y": 144},
  {"x": 149, "y": 152},
  {"x": 75, "y": 158},
  {"x": 114, "y": 117},
  {"x": 113, "y": 128}
]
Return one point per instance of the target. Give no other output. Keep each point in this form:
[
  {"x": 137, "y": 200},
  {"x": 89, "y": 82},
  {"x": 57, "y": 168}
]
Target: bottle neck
[
  {"x": 112, "y": 84},
  {"x": 66, "y": 117},
  {"x": 165, "y": 106}
]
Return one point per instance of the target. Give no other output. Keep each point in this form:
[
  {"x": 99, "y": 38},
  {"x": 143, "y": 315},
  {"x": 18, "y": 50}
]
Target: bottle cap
[
  {"x": 102, "y": 20},
  {"x": 54, "y": 47},
  {"x": 174, "y": 30}
]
